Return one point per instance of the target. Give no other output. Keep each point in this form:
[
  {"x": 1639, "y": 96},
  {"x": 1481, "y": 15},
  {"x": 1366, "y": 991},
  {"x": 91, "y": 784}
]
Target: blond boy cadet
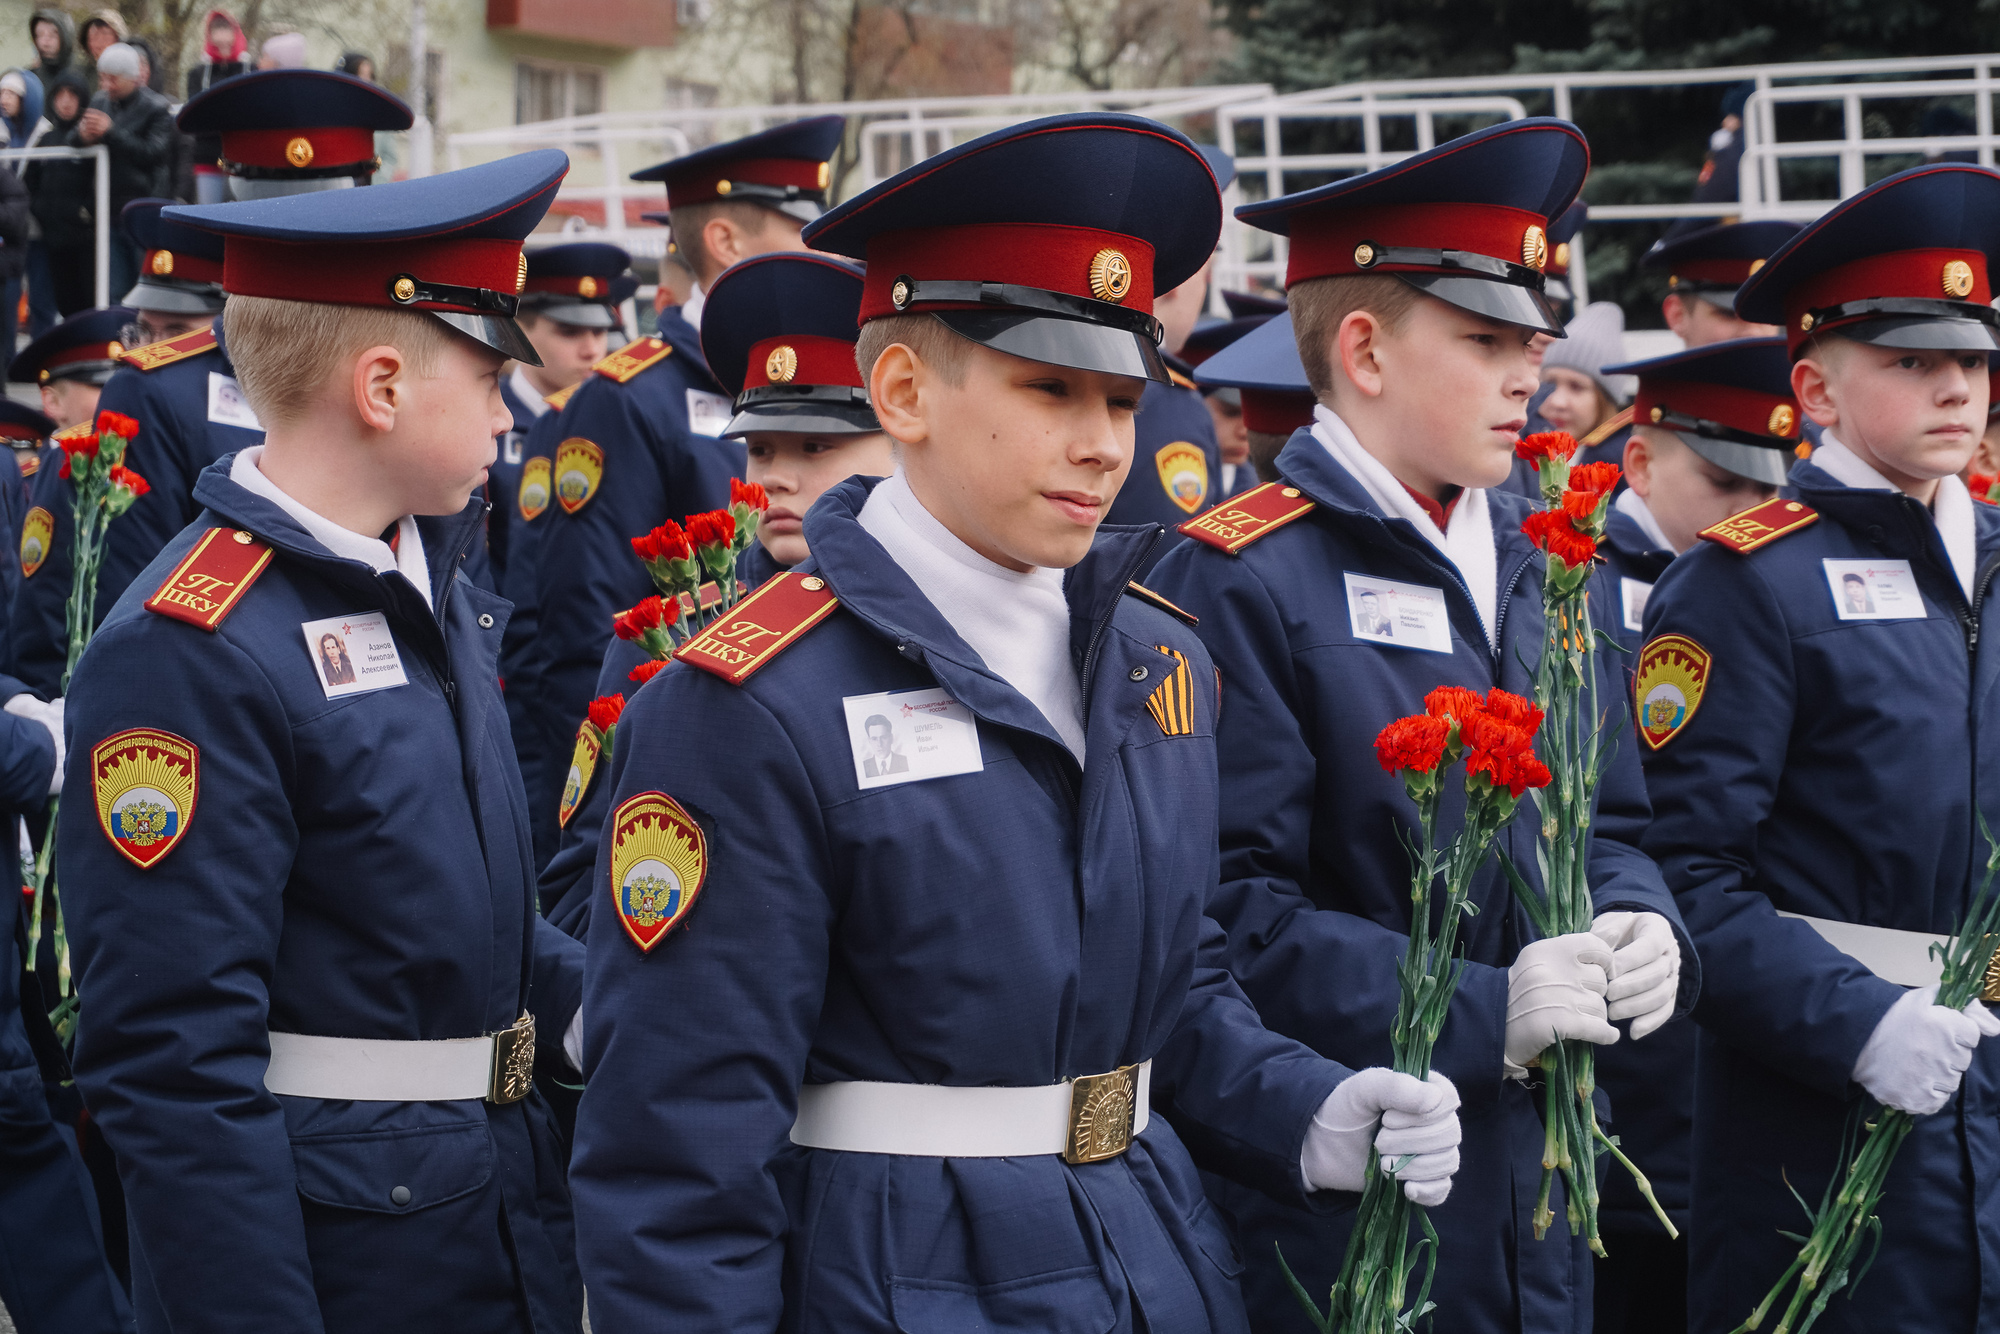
[
  {"x": 1415, "y": 292},
  {"x": 1819, "y": 759},
  {"x": 302, "y": 905},
  {"x": 873, "y": 1052}
]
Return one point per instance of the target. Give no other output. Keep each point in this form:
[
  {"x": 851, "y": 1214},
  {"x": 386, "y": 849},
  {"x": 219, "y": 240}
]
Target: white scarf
[
  {"x": 1951, "y": 508},
  {"x": 407, "y": 557},
  {"x": 1467, "y": 543}
]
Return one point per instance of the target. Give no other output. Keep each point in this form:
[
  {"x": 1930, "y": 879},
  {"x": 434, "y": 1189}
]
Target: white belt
[
  {"x": 1085, "y": 1120},
  {"x": 1902, "y": 957},
  {"x": 498, "y": 1067}
]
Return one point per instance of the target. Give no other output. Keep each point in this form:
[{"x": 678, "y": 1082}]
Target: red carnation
[
  {"x": 83, "y": 442},
  {"x": 1454, "y": 702},
  {"x": 116, "y": 423},
  {"x": 1516, "y": 770},
  {"x": 131, "y": 481},
  {"x": 1580, "y": 507},
  {"x": 646, "y": 671},
  {"x": 667, "y": 542},
  {"x": 1596, "y": 479},
  {"x": 1552, "y": 531},
  {"x": 1513, "y": 709},
  {"x": 717, "y": 528},
  {"x": 1415, "y": 744},
  {"x": 748, "y": 493},
  {"x": 63, "y": 471},
  {"x": 604, "y": 711},
  {"x": 1545, "y": 445}
]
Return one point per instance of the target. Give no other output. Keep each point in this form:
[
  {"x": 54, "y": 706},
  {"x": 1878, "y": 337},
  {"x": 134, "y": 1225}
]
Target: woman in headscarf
[{"x": 222, "y": 48}]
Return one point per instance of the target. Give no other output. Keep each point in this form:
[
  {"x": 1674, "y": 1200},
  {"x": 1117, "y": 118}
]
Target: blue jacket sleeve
[
  {"x": 27, "y": 764},
  {"x": 566, "y": 890},
  {"x": 694, "y": 1052},
  {"x": 38, "y": 634},
  {"x": 1773, "y": 985},
  {"x": 177, "y": 961}
]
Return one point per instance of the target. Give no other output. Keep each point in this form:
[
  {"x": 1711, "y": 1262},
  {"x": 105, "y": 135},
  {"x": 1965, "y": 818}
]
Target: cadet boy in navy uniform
[
  {"x": 1819, "y": 767},
  {"x": 1705, "y": 265},
  {"x": 1414, "y": 294},
  {"x": 1225, "y": 402},
  {"x": 637, "y": 442},
  {"x": 72, "y": 362},
  {"x": 1715, "y": 434},
  {"x": 979, "y": 967},
  {"x": 303, "y": 910}
]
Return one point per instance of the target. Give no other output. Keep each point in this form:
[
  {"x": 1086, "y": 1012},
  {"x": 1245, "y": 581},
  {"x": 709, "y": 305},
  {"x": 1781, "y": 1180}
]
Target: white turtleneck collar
[
  {"x": 1016, "y": 621},
  {"x": 407, "y": 557},
  {"x": 1951, "y": 508}
]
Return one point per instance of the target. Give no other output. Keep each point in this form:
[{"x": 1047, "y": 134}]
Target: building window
[{"x": 554, "y": 92}]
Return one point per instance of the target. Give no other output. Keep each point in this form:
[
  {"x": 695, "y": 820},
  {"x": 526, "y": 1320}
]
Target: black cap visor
[
  {"x": 804, "y": 410},
  {"x": 1919, "y": 333},
  {"x": 1769, "y": 464},
  {"x": 498, "y": 332},
  {"x": 1506, "y": 302},
  {"x": 171, "y": 298},
  {"x": 1078, "y": 344}
]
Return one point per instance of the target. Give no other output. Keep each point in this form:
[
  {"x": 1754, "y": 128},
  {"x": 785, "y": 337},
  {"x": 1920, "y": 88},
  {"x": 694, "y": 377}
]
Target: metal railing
[{"x": 100, "y": 213}]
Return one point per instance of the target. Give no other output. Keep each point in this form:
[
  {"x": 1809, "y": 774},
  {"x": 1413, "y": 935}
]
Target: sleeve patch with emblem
[
  {"x": 534, "y": 493},
  {"x": 145, "y": 783},
  {"x": 1241, "y": 520},
  {"x": 1668, "y": 686},
  {"x": 582, "y": 766},
  {"x": 1172, "y": 702},
  {"x": 751, "y": 633},
  {"x": 659, "y": 858},
  {"x": 208, "y": 583},
  {"x": 1183, "y": 472},
  {"x": 1761, "y": 525},
  {"x": 579, "y": 467},
  {"x": 38, "y": 529}
]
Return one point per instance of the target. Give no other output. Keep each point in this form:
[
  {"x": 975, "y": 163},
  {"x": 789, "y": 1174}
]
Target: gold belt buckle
[
  {"x": 1101, "y": 1112},
  {"x": 513, "y": 1061}
]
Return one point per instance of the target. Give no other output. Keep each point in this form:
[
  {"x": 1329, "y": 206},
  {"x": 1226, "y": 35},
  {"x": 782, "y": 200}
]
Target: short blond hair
[
  {"x": 284, "y": 351},
  {"x": 1318, "y": 306},
  {"x": 934, "y": 343}
]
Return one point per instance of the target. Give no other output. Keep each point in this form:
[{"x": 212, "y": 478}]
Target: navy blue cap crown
[
  {"x": 1719, "y": 257},
  {"x": 295, "y": 124},
  {"x": 86, "y": 346},
  {"x": 779, "y": 332},
  {"x": 143, "y": 222},
  {"x": 19, "y": 422}
]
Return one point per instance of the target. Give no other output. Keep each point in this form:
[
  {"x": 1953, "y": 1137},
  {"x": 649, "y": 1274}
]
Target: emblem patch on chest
[
  {"x": 1672, "y": 676},
  {"x": 37, "y": 531},
  {"x": 659, "y": 859},
  {"x": 579, "y": 467},
  {"x": 144, "y": 782},
  {"x": 582, "y": 765},
  {"x": 1183, "y": 474},
  {"x": 1172, "y": 704},
  {"x": 534, "y": 494}
]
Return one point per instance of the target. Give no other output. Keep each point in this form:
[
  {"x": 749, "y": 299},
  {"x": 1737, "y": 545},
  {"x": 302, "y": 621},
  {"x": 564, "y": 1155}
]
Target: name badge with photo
[
  {"x": 1384, "y": 611},
  {"x": 708, "y": 414},
  {"x": 905, "y": 736},
  {"x": 354, "y": 654},
  {"x": 1632, "y": 593},
  {"x": 227, "y": 405},
  {"x": 1874, "y": 590}
]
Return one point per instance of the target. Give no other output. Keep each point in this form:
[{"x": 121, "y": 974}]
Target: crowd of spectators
[{"x": 104, "y": 85}]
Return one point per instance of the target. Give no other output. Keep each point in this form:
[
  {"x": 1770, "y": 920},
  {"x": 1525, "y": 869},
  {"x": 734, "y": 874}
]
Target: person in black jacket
[
  {"x": 63, "y": 196},
  {"x": 137, "y": 125}
]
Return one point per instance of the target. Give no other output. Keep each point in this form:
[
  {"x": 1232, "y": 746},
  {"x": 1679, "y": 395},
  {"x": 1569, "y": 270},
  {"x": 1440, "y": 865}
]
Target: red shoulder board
[
  {"x": 206, "y": 586},
  {"x": 1145, "y": 594},
  {"x": 560, "y": 398},
  {"x": 155, "y": 355},
  {"x": 1607, "y": 428},
  {"x": 752, "y": 632},
  {"x": 1241, "y": 520},
  {"x": 32, "y": 464},
  {"x": 629, "y": 360},
  {"x": 1761, "y": 525}
]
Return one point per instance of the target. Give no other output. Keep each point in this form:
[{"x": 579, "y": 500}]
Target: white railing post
[{"x": 101, "y": 239}]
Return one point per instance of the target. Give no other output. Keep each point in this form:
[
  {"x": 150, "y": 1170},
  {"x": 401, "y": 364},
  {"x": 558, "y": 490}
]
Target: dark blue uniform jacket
[
  {"x": 176, "y": 440},
  {"x": 655, "y": 469},
  {"x": 1835, "y": 769},
  {"x": 1012, "y": 927},
  {"x": 1314, "y": 891},
  {"x": 353, "y": 868},
  {"x": 1163, "y": 487},
  {"x": 517, "y": 668},
  {"x": 503, "y": 482}
]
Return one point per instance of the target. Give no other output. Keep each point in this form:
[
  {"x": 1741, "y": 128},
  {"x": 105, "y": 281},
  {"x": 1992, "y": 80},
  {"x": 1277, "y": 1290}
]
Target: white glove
[
  {"x": 49, "y": 716},
  {"x": 1645, "y": 969},
  {"x": 1556, "y": 990},
  {"x": 1417, "y": 1117},
  {"x": 1919, "y": 1052}
]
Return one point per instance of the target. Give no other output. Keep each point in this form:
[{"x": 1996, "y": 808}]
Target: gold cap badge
[
  {"x": 586, "y": 286},
  {"x": 723, "y": 187},
  {"x": 404, "y": 288},
  {"x": 1957, "y": 278},
  {"x": 1757, "y": 264},
  {"x": 299, "y": 152},
  {"x": 163, "y": 262},
  {"x": 1782, "y": 420},
  {"x": 1806, "y": 322},
  {"x": 114, "y": 349},
  {"x": 1534, "y": 248},
  {"x": 782, "y": 364},
  {"x": 824, "y": 172},
  {"x": 1658, "y": 412},
  {"x": 1562, "y": 254},
  {"x": 899, "y": 295},
  {"x": 1110, "y": 275},
  {"x": 1364, "y": 255},
  {"x": 521, "y": 273}
]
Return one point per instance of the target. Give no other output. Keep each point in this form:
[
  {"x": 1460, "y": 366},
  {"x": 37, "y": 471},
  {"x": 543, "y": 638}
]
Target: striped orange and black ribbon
[{"x": 1172, "y": 704}]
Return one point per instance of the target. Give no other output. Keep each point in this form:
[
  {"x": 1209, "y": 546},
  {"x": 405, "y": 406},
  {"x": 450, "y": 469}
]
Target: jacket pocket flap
[
  {"x": 1068, "y": 1301},
  {"x": 395, "y": 1172}
]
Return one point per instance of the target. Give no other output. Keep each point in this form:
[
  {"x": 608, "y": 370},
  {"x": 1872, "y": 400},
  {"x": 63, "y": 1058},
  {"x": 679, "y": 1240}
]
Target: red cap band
[
  {"x": 1939, "y": 275},
  {"x": 326, "y": 146},
  {"x": 182, "y": 266},
  {"x": 1077, "y": 261},
  {"x": 110, "y": 351},
  {"x": 1324, "y": 242},
  {"x": 719, "y": 181},
  {"x": 361, "y": 273},
  {"x": 1775, "y": 415},
  {"x": 801, "y": 359},
  {"x": 18, "y": 431},
  {"x": 1277, "y": 411}
]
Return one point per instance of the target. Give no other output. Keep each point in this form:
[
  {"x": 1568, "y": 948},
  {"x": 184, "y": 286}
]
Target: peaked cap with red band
[
  {"x": 20, "y": 423},
  {"x": 1047, "y": 240},
  {"x": 1729, "y": 402},
  {"x": 85, "y": 347},
  {"x": 1264, "y": 366},
  {"x": 1562, "y": 238},
  {"x": 778, "y": 331},
  {"x": 181, "y": 271},
  {"x": 578, "y": 283},
  {"x": 1712, "y": 262},
  {"x": 1902, "y": 264},
  {"x": 295, "y": 124},
  {"x": 1466, "y": 222},
  {"x": 448, "y": 245},
  {"x": 785, "y": 168}
]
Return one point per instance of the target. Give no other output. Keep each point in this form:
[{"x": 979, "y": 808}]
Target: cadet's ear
[
  {"x": 1356, "y": 350},
  {"x": 1815, "y": 396},
  {"x": 377, "y": 387},
  {"x": 895, "y": 387}
]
